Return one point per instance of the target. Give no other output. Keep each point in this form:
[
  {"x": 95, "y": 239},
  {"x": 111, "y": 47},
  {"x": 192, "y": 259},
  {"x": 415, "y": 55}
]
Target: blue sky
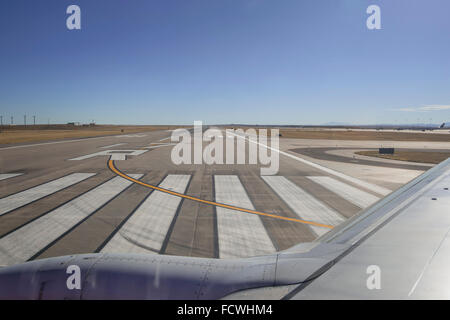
[{"x": 225, "y": 61}]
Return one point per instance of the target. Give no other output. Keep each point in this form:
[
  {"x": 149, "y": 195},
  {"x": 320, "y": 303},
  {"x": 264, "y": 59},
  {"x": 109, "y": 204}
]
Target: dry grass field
[
  {"x": 22, "y": 134},
  {"x": 414, "y": 156},
  {"x": 31, "y": 133},
  {"x": 354, "y": 134},
  {"x": 363, "y": 135}
]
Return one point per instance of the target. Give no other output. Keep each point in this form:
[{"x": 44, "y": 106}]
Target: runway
[{"x": 62, "y": 198}]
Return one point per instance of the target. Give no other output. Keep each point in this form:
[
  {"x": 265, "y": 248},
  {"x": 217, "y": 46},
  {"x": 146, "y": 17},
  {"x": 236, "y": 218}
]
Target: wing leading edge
[{"x": 399, "y": 248}]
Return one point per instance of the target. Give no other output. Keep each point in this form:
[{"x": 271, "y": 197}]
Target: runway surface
[{"x": 61, "y": 198}]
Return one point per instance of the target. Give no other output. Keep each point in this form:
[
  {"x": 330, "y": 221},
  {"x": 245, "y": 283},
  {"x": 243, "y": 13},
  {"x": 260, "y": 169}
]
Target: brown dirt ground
[
  {"x": 363, "y": 135},
  {"x": 351, "y": 134},
  {"x": 21, "y": 134}
]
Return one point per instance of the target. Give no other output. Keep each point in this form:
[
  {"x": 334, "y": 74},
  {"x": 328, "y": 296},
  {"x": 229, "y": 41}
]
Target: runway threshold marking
[
  {"x": 302, "y": 203},
  {"x": 354, "y": 195},
  {"x": 34, "y": 237},
  {"x": 144, "y": 232},
  {"x": 239, "y": 235},
  {"x": 112, "y": 167},
  {"x": 22, "y": 198},
  {"x": 4, "y": 176}
]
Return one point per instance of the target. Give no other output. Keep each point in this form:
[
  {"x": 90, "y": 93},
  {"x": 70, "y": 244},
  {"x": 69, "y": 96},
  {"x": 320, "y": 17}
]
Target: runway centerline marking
[{"x": 112, "y": 167}]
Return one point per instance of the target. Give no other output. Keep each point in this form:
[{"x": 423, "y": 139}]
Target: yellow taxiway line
[{"x": 113, "y": 168}]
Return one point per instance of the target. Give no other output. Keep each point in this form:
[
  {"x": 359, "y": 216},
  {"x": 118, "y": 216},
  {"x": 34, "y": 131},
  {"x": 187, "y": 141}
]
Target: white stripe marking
[
  {"x": 147, "y": 228},
  {"x": 367, "y": 185},
  {"x": 360, "y": 198},
  {"x": 113, "y": 145},
  {"x": 131, "y": 136},
  {"x": 114, "y": 154},
  {"x": 240, "y": 234},
  {"x": 25, "y": 242},
  {"x": 303, "y": 204},
  {"x": 159, "y": 145},
  {"x": 4, "y": 176},
  {"x": 22, "y": 198}
]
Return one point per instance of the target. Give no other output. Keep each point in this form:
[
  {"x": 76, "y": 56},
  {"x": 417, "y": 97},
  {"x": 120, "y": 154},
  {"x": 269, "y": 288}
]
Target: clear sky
[{"x": 225, "y": 61}]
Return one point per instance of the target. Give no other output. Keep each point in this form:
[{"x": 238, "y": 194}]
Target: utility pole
[
  {"x": 12, "y": 120},
  {"x": 25, "y": 120},
  {"x": 34, "y": 120},
  {"x": 1, "y": 120}
]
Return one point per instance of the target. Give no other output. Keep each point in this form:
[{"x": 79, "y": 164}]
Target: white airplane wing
[{"x": 397, "y": 249}]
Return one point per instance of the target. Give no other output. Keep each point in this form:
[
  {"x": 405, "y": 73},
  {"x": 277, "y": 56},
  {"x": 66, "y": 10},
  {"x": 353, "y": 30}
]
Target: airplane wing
[
  {"x": 403, "y": 240},
  {"x": 399, "y": 248}
]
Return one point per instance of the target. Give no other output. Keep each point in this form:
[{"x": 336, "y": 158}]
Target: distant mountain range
[
  {"x": 349, "y": 125},
  {"x": 388, "y": 125}
]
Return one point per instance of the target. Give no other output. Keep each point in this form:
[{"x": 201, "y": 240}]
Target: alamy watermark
[
  {"x": 74, "y": 279},
  {"x": 73, "y": 21},
  {"x": 373, "y": 22},
  {"x": 373, "y": 281},
  {"x": 241, "y": 147}
]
